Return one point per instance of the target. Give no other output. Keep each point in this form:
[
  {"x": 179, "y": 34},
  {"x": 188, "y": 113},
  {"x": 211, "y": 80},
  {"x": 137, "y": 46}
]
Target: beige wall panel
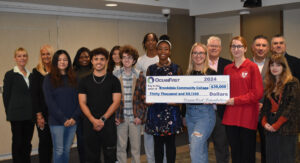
[
  {"x": 132, "y": 32},
  {"x": 212, "y": 26},
  {"x": 32, "y": 31},
  {"x": 75, "y": 32},
  {"x": 29, "y": 31},
  {"x": 291, "y": 26},
  {"x": 181, "y": 30}
]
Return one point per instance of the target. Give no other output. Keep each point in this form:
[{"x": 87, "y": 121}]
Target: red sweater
[{"x": 246, "y": 87}]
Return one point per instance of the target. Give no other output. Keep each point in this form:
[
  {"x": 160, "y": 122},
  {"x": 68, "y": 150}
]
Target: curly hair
[{"x": 131, "y": 51}]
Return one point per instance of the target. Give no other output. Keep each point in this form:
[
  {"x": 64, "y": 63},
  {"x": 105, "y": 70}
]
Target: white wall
[
  {"x": 291, "y": 26},
  {"x": 70, "y": 33},
  {"x": 203, "y": 7}
]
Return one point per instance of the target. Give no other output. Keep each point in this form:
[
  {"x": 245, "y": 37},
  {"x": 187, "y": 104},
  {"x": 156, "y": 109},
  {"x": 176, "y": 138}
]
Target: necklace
[{"x": 100, "y": 81}]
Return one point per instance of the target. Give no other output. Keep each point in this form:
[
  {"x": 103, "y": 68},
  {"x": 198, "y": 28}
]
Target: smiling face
[
  {"x": 84, "y": 59},
  {"x": 237, "y": 49},
  {"x": 276, "y": 69},
  {"x": 62, "y": 63},
  {"x": 127, "y": 60},
  {"x": 198, "y": 55},
  {"x": 163, "y": 51},
  {"x": 21, "y": 58},
  {"x": 99, "y": 62},
  {"x": 214, "y": 48},
  {"x": 116, "y": 57},
  {"x": 260, "y": 48},
  {"x": 278, "y": 45},
  {"x": 46, "y": 56}
]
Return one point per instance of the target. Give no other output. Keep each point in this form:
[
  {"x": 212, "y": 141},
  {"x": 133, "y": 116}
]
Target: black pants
[
  {"x": 242, "y": 143},
  {"x": 219, "y": 138},
  {"x": 22, "y": 132},
  {"x": 45, "y": 145},
  {"x": 281, "y": 148},
  {"x": 262, "y": 142},
  {"x": 106, "y": 139},
  {"x": 159, "y": 142},
  {"x": 79, "y": 136}
]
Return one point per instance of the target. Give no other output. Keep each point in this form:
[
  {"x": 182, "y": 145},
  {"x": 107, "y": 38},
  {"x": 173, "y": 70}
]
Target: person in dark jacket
[
  {"x": 18, "y": 107},
  {"x": 281, "y": 112},
  {"x": 39, "y": 104},
  {"x": 62, "y": 101},
  {"x": 82, "y": 67}
]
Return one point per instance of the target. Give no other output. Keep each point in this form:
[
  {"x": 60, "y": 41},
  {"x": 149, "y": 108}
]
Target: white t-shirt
[{"x": 144, "y": 62}]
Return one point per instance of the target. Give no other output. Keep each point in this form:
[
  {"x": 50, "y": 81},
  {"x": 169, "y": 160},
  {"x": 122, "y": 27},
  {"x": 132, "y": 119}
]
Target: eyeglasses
[
  {"x": 198, "y": 53},
  {"x": 127, "y": 58},
  {"x": 237, "y": 46}
]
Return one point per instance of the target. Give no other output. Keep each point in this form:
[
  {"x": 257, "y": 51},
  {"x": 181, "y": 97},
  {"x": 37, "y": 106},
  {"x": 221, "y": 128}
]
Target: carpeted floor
[{"x": 182, "y": 155}]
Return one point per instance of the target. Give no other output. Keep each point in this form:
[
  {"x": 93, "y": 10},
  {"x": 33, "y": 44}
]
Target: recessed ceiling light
[{"x": 111, "y": 4}]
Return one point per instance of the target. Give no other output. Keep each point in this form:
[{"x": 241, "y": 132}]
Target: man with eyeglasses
[
  {"x": 278, "y": 46},
  {"x": 218, "y": 135}
]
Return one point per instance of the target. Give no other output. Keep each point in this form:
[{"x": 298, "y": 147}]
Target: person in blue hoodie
[{"x": 62, "y": 100}]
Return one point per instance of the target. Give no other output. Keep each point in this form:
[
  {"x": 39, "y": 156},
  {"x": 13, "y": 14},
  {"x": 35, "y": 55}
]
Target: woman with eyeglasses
[
  {"x": 200, "y": 118},
  {"x": 241, "y": 113}
]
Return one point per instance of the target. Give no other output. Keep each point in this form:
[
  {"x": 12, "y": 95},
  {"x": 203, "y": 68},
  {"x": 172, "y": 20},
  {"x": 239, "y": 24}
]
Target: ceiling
[
  {"x": 100, "y": 4},
  {"x": 202, "y": 8}
]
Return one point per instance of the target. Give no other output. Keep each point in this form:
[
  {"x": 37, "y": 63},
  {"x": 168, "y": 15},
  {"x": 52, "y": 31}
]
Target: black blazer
[
  {"x": 37, "y": 95},
  {"x": 16, "y": 97},
  {"x": 294, "y": 64},
  {"x": 221, "y": 65}
]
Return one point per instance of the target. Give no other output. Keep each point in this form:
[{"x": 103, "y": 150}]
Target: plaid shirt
[{"x": 133, "y": 95}]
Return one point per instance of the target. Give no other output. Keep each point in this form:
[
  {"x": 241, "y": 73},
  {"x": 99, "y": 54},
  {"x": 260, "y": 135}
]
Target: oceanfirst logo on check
[{"x": 160, "y": 80}]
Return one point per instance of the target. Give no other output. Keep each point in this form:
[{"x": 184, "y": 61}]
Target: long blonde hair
[
  {"x": 270, "y": 79},
  {"x": 191, "y": 63},
  {"x": 41, "y": 67}
]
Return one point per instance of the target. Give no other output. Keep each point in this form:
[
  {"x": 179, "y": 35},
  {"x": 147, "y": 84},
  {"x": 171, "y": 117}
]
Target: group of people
[{"x": 101, "y": 99}]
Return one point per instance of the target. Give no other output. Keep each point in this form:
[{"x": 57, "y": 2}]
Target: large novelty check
[{"x": 187, "y": 89}]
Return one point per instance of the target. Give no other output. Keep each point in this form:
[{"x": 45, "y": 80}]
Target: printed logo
[
  {"x": 150, "y": 80},
  {"x": 244, "y": 74}
]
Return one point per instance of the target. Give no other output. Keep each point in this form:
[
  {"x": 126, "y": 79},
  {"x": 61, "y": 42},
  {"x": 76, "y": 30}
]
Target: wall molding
[{"x": 30, "y": 8}]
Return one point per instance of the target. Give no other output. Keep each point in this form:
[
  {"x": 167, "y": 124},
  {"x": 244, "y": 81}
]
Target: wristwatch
[{"x": 103, "y": 118}]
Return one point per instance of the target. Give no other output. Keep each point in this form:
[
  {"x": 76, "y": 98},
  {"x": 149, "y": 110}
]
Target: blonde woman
[
  {"x": 39, "y": 105},
  {"x": 18, "y": 107},
  {"x": 200, "y": 118},
  {"x": 280, "y": 112}
]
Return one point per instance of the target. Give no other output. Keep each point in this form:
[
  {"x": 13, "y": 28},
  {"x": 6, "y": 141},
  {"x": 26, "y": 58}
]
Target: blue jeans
[
  {"x": 62, "y": 138},
  {"x": 200, "y": 120}
]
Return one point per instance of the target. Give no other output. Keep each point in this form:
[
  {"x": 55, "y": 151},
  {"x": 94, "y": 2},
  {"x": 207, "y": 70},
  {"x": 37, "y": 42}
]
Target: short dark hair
[
  {"x": 99, "y": 51},
  {"x": 278, "y": 35},
  {"x": 260, "y": 37},
  {"x": 145, "y": 39},
  {"x": 130, "y": 51}
]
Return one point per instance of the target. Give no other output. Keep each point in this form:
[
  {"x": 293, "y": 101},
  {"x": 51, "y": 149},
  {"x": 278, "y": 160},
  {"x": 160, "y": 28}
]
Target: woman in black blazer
[
  {"x": 18, "y": 107},
  {"x": 39, "y": 104}
]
